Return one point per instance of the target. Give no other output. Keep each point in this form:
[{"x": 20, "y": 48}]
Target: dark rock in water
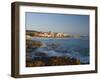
[
  {"x": 75, "y": 61},
  {"x": 85, "y": 63},
  {"x": 32, "y": 45},
  {"x": 44, "y": 59},
  {"x": 41, "y": 54},
  {"x": 29, "y": 49},
  {"x": 53, "y": 45}
]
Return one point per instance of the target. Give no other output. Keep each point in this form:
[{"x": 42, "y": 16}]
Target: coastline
[
  {"x": 53, "y": 47},
  {"x": 59, "y": 38}
]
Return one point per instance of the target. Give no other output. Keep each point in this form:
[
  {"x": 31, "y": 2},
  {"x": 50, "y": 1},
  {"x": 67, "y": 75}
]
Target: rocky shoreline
[
  {"x": 51, "y": 61},
  {"x": 41, "y": 58}
]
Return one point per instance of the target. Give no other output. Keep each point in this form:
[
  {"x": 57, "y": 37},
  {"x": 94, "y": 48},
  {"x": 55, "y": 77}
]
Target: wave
[
  {"x": 45, "y": 51},
  {"x": 73, "y": 48}
]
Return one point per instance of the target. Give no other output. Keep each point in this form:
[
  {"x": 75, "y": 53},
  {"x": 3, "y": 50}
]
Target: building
[
  {"x": 28, "y": 37},
  {"x": 59, "y": 35}
]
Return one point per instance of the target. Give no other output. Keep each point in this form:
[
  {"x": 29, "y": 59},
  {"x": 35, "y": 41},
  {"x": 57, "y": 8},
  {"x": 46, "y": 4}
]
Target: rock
[
  {"x": 40, "y": 54},
  {"x": 35, "y": 64},
  {"x": 52, "y": 61},
  {"x": 32, "y": 45}
]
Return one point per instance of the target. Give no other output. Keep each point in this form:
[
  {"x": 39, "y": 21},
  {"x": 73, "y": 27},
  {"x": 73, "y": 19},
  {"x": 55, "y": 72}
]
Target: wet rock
[
  {"x": 41, "y": 54},
  {"x": 32, "y": 45}
]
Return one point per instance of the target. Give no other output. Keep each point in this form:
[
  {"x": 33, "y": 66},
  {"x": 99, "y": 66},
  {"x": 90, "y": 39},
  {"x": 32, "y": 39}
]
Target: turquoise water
[{"x": 73, "y": 47}]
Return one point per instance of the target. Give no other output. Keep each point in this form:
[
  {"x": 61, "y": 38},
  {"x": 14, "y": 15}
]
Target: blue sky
[{"x": 67, "y": 23}]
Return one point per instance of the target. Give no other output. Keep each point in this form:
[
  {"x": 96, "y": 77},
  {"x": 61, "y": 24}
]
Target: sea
[{"x": 77, "y": 48}]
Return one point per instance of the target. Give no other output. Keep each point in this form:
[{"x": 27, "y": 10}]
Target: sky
[{"x": 54, "y": 22}]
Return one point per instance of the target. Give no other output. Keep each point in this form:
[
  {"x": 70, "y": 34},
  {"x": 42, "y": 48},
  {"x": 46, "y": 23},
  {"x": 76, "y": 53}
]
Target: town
[{"x": 46, "y": 34}]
